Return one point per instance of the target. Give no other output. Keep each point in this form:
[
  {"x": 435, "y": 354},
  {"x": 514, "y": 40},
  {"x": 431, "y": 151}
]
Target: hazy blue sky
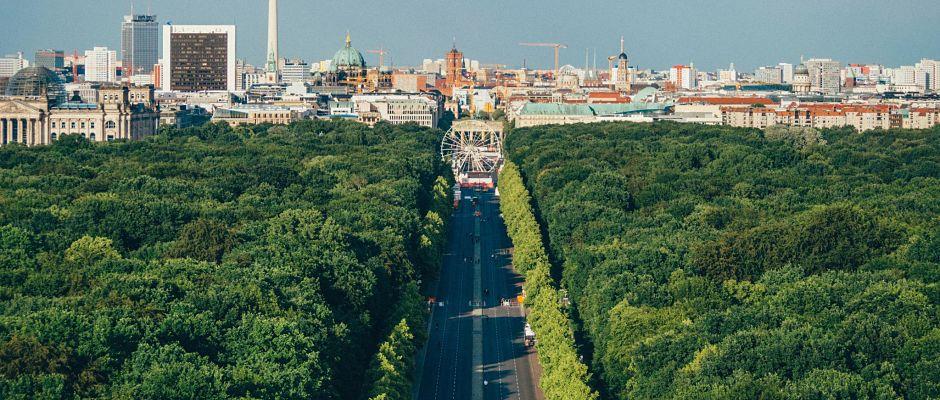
[{"x": 659, "y": 33}]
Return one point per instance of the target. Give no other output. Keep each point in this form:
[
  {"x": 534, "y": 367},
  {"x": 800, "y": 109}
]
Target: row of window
[
  {"x": 90, "y": 136},
  {"x": 91, "y": 125}
]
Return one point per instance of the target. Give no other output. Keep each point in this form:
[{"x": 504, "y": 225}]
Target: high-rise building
[
  {"x": 198, "y": 58},
  {"x": 51, "y": 59},
  {"x": 771, "y": 75},
  {"x": 786, "y": 70},
  {"x": 932, "y": 69},
  {"x": 140, "y": 41},
  {"x": 683, "y": 77},
  {"x": 911, "y": 79},
  {"x": 295, "y": 71},
  {"x": 271, "y": 67},
  {"x": 825, "y": 75},
  {"x": 11, "y": 64},
  {"x": 100, "y": 65}
]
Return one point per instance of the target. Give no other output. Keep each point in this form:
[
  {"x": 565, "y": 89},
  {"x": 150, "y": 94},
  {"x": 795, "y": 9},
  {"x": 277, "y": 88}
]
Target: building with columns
[{"x": 35, "y": 111}]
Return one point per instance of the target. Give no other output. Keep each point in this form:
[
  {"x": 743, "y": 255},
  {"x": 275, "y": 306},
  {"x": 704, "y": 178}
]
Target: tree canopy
[
  {"x": 717, "y": 263},
  {"x": 216, "y": 263}
]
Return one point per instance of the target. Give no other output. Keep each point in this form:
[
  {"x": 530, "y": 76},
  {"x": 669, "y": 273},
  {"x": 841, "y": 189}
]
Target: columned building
[
  {"x": 34, "y": 111},
  {"x": 623, "y": 83}
]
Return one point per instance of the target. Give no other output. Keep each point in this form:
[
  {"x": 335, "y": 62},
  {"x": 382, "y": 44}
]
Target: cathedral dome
[
  {"x": 801, "y": 70},
  {"x": 623, "y": 56},
  {"x": 348, "y": 57},
  {"x": 38, "y": 82}
]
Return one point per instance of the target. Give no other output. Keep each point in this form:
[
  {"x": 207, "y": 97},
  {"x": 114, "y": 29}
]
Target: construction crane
[
  {"x": 381, "y": 52},
  {"x": 557, "y": 47}
]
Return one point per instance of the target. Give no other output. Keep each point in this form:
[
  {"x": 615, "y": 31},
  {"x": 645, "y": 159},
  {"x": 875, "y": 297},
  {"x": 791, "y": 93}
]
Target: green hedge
[{"x": 564, "y": 377}]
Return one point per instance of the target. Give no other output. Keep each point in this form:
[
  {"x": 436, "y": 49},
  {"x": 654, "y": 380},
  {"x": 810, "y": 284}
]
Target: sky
[{"x": 659, "y": 33}]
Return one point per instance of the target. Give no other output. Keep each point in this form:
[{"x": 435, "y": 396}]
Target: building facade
[
  {"x": 11, "y": 64},
  {"x": 825, "y": 75},
  {"x": 255, "y": 114},
  {"x": 51, "y": 59},
  {"x": 140, "y": 44},
  {"x": 198, "y": 58},
  {"x": 34, "y": 111},
  {"x": 100, "y": 65}
]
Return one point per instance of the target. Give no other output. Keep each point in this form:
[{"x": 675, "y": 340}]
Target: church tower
[
  {"x": 623, "y": 82},
  {"x": 454, "y": 66}
]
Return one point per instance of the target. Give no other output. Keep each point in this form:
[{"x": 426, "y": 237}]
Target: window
[
  {"x": 91, "y": 125},
  {"x": 110, "y": 138},
  {"x": 53, "y": 124},
  {"x": 83, "y": 124},
  {"x": 92, "y": 136},
  {"x": 53, "y": 136},
  {"x": 73, "y": 124},
  {"x": 109, "y": 125}
]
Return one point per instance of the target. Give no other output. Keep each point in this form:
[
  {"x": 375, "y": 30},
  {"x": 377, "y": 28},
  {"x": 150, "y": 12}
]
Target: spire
[
  {"x": 455, "y": 44},
  {"x": 348, "y": 39},
  {"x": 621, "y": 45}
]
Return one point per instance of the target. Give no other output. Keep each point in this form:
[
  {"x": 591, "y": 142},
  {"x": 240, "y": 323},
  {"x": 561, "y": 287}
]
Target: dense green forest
[
  {"x": 717, "y": 263},
  {"x": 564, "y": 376},
  {"x": 213, "y": 263}
]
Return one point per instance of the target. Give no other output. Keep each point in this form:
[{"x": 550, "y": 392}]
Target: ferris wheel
[{"x": 472, "y": 146}]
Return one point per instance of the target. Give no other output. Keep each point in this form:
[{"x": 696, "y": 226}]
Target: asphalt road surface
[{"x": 509, "y": 368}]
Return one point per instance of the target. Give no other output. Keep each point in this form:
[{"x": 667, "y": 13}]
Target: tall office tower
[
  {"x": 270, "y": 67},
  {"x": 683, "y": 77},
  {"x": 771, "y": 75},
  {"x": 140, "y": 41},
  {"x": 932, "y": 69},
  {"x": 198, "y": 58},
  {"x": 11, "y": 64},
  {"x": 51, "y": 59},
  {"x": 825, "y": 75},
  {"x": 100, "y": 65},
  {"x": 787, "y": 70}
]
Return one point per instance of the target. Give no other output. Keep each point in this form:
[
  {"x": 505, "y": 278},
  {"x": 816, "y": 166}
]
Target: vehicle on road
[{"x": 529, "y": 336}]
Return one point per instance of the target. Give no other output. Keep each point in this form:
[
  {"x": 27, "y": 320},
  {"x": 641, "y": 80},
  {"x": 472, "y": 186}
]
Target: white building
[
  {"x": 787, "y": 71},
  {"x": 295, "y": 71},
  {"x": 100, "y": 65},
  {"x": 397, "y": 109},
  {"x": 199, "y": 58},
  {"x": 772, "y": 75},
  {"x": 684, "y": 77},
  {"x": 932, "y": 69},
  {"x": 11, "y": 64},
  {"x": 728, "y": 75},
  {"x": 911, "y": 77}
]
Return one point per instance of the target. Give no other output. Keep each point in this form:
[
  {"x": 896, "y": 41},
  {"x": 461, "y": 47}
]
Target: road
[{"x": 476, "y": 274}]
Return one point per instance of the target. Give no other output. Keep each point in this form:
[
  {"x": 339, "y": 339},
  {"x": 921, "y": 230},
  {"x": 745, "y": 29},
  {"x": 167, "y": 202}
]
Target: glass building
[{"x": 140, "y": 41}]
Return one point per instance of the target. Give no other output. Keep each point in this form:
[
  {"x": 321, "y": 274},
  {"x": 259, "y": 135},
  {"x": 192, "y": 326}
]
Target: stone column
[
  {"x": 30, "y": 132},
  {"x": 3, "y": 131}
]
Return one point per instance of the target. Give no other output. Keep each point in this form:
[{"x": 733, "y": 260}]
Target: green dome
[{"x": 348, "y": 57}]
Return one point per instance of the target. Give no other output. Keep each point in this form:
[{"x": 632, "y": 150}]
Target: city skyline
[{"x": 664, "y": 36}]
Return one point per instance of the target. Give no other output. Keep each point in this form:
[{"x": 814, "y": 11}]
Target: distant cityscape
[{"x": 180, "y": 75}]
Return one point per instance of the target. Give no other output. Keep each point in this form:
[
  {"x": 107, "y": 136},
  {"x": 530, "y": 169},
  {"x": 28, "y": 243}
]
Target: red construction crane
[
  {"x": 557, "y": 46},
  {"x": 381, "y": 52}
]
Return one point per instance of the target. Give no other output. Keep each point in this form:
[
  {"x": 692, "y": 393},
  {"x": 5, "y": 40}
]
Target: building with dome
[
  {"x": 35, "y": 110},
  {"x": 348, "y": 67},
  {"x": 801, "y": 80},
  {"x": 623, "y": 83}
]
